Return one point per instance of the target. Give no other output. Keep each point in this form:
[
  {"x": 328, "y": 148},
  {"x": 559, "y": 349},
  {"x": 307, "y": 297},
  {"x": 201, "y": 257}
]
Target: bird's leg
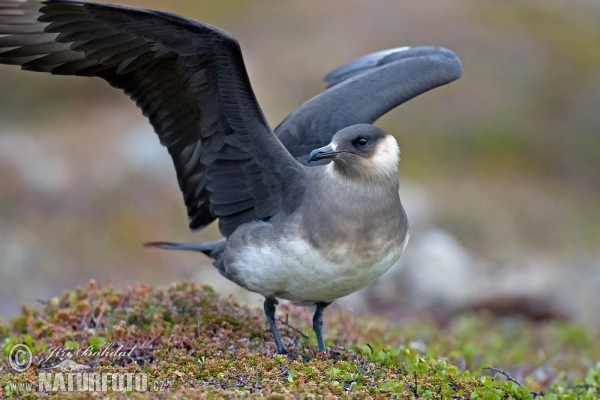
[
  {"x": 270, "y": 313},
  {"x": 318, "y": 324}
]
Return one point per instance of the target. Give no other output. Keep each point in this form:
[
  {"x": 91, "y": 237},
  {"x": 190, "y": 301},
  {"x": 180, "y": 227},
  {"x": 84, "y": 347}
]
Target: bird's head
[{"x": 363, "y": 151}]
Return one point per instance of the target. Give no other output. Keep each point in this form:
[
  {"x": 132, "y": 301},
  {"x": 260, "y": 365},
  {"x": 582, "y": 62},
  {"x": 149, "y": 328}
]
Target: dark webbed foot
[
  {"x": 318, "y": 324},
  {"x": 270, "y": 313}
]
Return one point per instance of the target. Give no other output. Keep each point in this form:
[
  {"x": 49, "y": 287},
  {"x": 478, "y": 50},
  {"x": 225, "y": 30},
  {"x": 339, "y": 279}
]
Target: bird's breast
[{"x": 284, "y": 263}]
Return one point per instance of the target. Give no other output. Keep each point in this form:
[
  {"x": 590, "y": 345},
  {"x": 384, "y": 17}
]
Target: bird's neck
[{"x": 353, "y": 181}]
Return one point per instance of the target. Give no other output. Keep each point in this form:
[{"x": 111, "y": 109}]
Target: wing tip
[{"x": 384, "y": 57}]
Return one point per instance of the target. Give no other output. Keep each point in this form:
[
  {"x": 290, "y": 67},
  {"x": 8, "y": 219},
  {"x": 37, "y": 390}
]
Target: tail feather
[{"x": 211, "y": 249}]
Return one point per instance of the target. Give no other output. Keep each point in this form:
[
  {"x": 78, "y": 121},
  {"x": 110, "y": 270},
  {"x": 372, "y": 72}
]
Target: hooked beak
[{"x": 322, "y": 153}]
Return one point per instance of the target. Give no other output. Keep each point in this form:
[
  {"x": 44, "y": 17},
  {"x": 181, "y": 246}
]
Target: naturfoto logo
[
  {"x": 92, "y": 382},
  {"x": 70, "y": 376}
]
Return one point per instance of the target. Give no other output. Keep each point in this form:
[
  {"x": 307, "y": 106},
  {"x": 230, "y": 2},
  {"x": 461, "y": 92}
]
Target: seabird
[{"x": 307, "y": 233}]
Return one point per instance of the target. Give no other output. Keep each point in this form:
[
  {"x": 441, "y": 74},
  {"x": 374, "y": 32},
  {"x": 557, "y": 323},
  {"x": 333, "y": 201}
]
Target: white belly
[{"x": 296, "y": 271}]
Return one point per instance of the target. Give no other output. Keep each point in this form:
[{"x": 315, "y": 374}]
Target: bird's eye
[{"x": 361, "y": 141}]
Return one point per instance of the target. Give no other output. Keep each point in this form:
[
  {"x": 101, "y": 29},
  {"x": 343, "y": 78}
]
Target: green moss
[{"x": 192, "y": 343}]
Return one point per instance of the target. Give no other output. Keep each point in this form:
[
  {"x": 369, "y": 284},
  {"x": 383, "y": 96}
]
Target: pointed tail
[{"x": 211, "y": 249}]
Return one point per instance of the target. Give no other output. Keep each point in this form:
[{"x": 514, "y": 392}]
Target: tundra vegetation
[{"x": 196, "y": 344}]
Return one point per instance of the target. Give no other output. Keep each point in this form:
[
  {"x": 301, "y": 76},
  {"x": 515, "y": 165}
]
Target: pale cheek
[{"x": 387, "y": 157}]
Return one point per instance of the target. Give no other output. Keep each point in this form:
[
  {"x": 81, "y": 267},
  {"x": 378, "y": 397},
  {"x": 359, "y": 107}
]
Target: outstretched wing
[
  {"x": 363, "y": 90},
  {"x": 188, "y": 78}
]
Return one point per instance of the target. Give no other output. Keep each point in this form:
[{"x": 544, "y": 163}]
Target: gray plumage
[{"x": 310, "y": 234}]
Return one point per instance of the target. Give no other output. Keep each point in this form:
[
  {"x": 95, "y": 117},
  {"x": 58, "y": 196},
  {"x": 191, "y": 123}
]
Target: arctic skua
[{"x": 310, "y": 211}]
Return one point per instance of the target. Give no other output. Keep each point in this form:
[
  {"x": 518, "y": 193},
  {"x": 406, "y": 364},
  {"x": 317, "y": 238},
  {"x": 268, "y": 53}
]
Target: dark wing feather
[
  {"x": 188, "y": 78},
  {"x": 363, "y": 90}
]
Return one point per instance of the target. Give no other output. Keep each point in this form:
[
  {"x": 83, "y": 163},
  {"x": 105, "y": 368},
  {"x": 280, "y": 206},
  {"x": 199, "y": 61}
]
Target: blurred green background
[{"x": 507, "y": 158}]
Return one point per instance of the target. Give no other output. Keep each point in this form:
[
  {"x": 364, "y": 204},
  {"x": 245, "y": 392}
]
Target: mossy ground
[{"x": 191, "y": 343}]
